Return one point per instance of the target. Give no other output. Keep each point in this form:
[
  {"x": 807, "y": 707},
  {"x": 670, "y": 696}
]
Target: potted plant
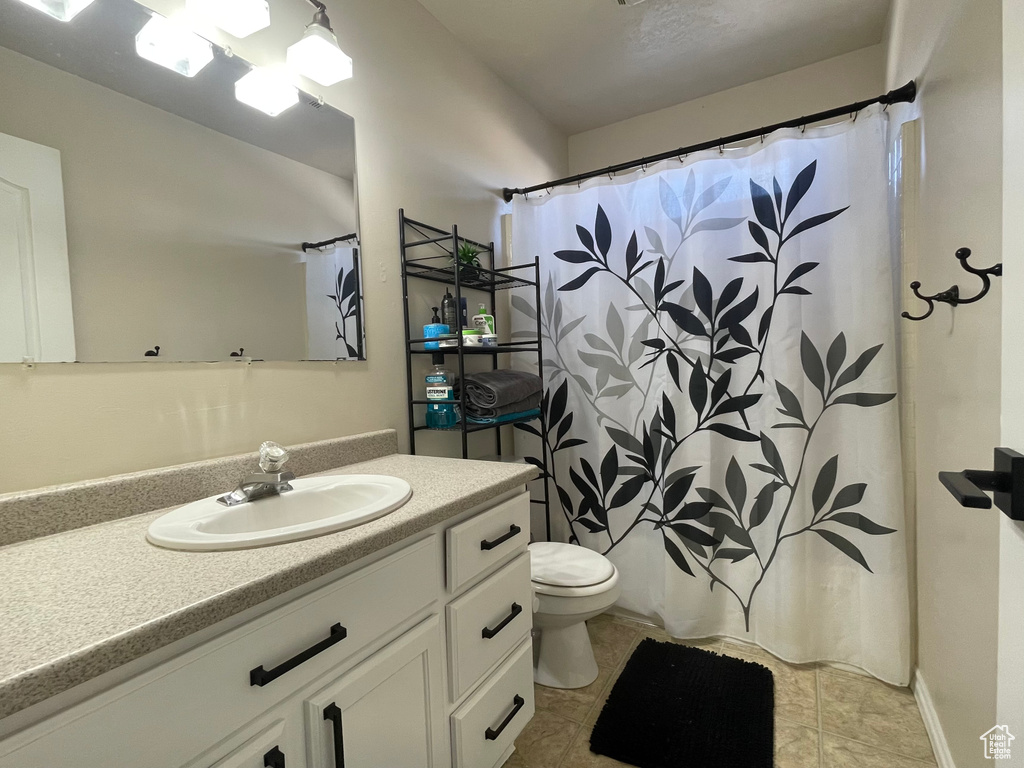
[{"x": 467, "y": 261}]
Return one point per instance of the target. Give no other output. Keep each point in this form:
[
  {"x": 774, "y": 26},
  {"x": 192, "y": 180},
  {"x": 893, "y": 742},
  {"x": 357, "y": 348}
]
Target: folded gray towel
[
  {"x": 493, "y": 389},
  {"x": 527, "y": 404}
]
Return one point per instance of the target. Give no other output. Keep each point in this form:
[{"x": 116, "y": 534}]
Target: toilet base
[{"x": 563, "y": 657}]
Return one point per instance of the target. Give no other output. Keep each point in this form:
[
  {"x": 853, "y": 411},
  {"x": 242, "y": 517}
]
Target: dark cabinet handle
[
  {"x": 261, "y": 676},
  {"x": 517, "y": 704},
  {"x": 488, "y": 632},
  {"x": 513, "y": 530},
  {"x": 274, "y": 759},
  {"x": 332, "y": 712}
]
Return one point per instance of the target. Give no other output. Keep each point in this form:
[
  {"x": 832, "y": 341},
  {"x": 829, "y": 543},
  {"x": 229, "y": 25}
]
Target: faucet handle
[{"x": 272, "y": 456}]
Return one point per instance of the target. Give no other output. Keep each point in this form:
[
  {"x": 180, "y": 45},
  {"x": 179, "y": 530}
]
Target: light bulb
[
  {"x": 318, "y": 56},
  {"x": 171, "y": 45},
  {"x": 239, "y": 18},
  {"x": 267, "y": 90},
  {"x": 64, "y": 10}
]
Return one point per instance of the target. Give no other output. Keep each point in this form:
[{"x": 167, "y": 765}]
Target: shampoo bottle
[
  {"x": 440, "y": 387},
  {"x": 433, "y": 329},
  {"x": 449, "y": 313}
]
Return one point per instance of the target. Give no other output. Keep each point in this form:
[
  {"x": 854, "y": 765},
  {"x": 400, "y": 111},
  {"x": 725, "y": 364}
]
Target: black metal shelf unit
[{"x": 429, "y": 253}]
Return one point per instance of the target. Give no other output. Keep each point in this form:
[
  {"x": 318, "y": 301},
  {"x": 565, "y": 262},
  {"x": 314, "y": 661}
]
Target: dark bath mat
[{"x": 679, "y": 707}]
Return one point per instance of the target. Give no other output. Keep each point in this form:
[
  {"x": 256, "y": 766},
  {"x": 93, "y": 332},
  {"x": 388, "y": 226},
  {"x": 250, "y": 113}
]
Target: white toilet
[{"x": 571, "y": 584}]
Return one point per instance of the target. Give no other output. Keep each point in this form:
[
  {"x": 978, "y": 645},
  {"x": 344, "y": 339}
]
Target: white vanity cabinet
[
  {"x": 387, "y": 711},
  {"x": 376, "y": 668},
  {"x": 273, "y": 741}
]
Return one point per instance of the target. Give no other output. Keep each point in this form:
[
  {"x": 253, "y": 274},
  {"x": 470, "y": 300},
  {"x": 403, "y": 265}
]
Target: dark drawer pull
[
  {"x": 517, "y": 702},
  {"x": 332, "y": 712},
  {"x": 274, "y": 759},
  {"x": 261, "y": 676},
  {"x": 513, "y": 530},
  {"x": 488, "y": 633}
]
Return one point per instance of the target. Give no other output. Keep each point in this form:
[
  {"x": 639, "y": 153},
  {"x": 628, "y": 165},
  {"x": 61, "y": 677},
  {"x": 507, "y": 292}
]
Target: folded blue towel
[{"x": 531, "y": 414}]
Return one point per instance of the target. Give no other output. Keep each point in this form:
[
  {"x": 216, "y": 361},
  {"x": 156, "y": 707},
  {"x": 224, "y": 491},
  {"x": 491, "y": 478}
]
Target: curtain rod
[
  {"x": 907, "y": 93},
  {"x": 332, "y": 241}
]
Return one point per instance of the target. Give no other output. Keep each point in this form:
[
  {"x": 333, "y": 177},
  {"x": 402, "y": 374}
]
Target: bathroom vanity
[{"x": 407, "y": 645}]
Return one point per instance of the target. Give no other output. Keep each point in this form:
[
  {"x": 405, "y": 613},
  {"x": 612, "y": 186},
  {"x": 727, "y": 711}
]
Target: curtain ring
[
  {"x": 611, "y": 176},
  {"x": 579, "y": 184},
  {"x": 643, "y": 167},
  {"x": 803, "y": 128},
  {"x": 762, "y": 138},
  {"x": 886, "y": 107},
  {"x": 721, "y": 149}
]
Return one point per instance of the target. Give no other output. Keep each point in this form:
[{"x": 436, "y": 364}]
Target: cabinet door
[
  {"x": 388, "y": 711},
  {"x": 274, "y": 740}
]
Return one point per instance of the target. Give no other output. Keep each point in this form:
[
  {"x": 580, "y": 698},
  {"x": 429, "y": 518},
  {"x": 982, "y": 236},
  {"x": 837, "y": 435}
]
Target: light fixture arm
[{"x": 320, "y": 17}]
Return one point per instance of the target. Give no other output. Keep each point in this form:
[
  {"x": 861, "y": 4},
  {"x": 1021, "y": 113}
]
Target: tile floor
[{"x": 824, "y": 718}]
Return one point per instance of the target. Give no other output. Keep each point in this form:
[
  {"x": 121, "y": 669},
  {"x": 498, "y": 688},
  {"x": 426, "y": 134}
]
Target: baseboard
[{"x": 943, "y": 756}]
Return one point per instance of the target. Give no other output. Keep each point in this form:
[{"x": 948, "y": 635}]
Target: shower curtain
[
  {"x": 333, "y": 304},
  {"x": 721, "y": 364}
]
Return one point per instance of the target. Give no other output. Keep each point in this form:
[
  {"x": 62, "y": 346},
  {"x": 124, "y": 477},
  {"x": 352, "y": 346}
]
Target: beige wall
[
  {"x": 1011, "y": 544},
  {"x": 814, "y": 88},
  {"x": 178, "y": 235},
  {"x": 953, "y": 50},
  {"x": 436, "y": 133}
]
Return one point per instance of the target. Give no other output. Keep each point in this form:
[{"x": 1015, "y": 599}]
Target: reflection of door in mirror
[{"x": 35, "y": 292}]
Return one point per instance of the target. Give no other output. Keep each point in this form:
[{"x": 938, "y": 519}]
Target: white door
[
  {"x": 35, "y": 286},
  {"x": 1010, "y": 669},
  {"x": 388, "y": 711}
]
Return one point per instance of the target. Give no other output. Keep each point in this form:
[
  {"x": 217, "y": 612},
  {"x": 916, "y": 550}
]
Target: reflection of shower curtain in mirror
[{"x": 333, "y": 325}]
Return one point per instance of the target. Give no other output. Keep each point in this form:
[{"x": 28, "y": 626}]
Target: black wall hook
[
  {"x": 154, "y": 352},
  {"x": 951, "y": 295}
]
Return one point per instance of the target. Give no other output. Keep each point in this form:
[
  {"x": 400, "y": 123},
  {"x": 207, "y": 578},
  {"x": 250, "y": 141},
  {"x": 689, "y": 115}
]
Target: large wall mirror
[{"x": 146, "y": 215}]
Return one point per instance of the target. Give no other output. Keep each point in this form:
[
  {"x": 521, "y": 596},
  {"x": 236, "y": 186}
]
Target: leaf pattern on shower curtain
[
  {"x": 713, "y": 341},
  {"x": 346, "y": 301}
]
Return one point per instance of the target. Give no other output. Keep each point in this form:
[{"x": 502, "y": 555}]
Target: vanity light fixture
[
  {"x": 317, "y": 55},
  {"x": 62, "y": 10},
  {"x": 268, "y": 90},
  {"x": 239, "y": 18},
  {"x": 172, "y": 45}
]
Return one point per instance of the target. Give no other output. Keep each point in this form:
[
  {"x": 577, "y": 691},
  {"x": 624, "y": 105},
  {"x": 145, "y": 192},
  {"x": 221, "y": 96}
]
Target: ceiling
[{"x": 589, "y": 63}]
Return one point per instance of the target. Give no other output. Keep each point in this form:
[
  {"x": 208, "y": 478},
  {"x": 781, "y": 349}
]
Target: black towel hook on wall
[{"x": 951, "y": 295}]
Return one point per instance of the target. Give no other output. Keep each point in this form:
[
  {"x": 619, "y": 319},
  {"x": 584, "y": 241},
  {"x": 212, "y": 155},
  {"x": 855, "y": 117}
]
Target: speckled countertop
[{"x": 80, "y": 603}]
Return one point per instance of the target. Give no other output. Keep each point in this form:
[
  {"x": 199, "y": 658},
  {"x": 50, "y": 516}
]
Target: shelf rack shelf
[{"x": 428, "y": 254}]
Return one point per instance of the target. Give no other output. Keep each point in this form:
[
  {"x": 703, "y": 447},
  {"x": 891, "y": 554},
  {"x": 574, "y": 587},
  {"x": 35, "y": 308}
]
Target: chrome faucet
[{"x": 270, "y": 481}]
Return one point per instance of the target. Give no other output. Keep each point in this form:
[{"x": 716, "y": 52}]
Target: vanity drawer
[
  {"x": 487, "y": 622},
  {"x": 487, "y": 539},
  {"x": 485, "y": 726},
  {"x": 183, "y": 706}
]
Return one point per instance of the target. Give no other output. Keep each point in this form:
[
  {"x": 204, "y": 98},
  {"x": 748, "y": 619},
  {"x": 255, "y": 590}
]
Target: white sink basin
[{"x": 315, "y": 506}]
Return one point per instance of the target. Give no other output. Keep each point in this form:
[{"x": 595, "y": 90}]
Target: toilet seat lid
[{"x": 568, "y": 565}]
